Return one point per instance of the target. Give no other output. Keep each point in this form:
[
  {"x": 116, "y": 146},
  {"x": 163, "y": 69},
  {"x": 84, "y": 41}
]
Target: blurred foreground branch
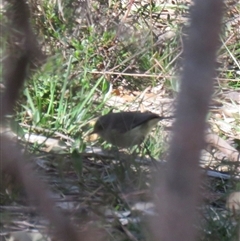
[
  {"x": 177, "y": 190},
  {"x": 22, "y": 52}
]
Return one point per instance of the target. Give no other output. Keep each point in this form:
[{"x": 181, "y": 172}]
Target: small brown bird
[{"x": 126, "y": 129}]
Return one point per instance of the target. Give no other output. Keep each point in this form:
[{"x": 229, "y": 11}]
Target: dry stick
[
  {"x": 216, "y": 141},
  {"x": 177, "y": 192}
]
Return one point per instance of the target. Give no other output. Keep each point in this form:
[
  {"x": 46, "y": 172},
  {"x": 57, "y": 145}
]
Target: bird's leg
[{"x": 154, "y": 161}]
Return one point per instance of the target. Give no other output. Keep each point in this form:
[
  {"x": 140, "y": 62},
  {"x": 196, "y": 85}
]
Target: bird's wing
[{"x": 126, "y": 121}]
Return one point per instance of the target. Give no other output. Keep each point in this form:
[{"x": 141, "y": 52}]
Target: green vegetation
[{"x": 93, "y": 53}]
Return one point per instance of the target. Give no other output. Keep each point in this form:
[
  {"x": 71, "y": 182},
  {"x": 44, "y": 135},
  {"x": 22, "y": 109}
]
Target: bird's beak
[{"x": 92, "y": 136}]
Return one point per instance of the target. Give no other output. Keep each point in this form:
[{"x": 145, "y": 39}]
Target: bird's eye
[{"x": 98, "y": 126}]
